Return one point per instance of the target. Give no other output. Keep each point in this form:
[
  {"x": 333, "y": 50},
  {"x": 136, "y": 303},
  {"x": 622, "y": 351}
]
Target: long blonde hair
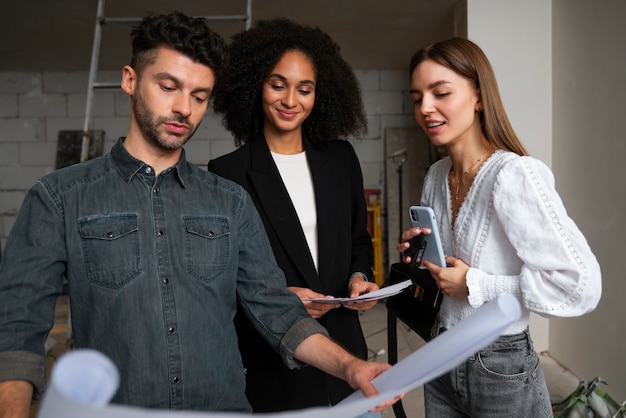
[{"x": 466, "y": 58}]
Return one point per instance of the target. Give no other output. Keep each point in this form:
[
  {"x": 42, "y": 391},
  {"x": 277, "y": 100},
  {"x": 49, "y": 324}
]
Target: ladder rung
[
  {"x": 106, "y": 85},
  {"x": 123, "y": 20},
  {"x": 224, "y": 18}
]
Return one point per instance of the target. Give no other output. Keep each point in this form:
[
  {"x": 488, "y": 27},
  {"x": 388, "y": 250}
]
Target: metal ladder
[{"x": 95, "y": 54}]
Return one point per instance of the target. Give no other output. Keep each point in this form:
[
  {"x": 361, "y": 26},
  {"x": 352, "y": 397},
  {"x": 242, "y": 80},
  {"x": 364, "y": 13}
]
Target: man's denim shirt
[{"x": 155, "y": 266}]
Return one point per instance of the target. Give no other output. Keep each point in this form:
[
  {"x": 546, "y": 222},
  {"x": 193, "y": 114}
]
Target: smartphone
[{"x": 424, "y": 217}]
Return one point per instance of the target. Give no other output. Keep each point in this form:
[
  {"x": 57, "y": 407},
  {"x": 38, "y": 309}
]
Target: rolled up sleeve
[
  {"x": 300, "y": 331},
  {"x": 24, "y": 365}
]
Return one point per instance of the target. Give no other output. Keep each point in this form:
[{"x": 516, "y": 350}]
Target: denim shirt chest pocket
[
  {"x": 110, "y": 245},
  {"x": 207, "y": 246}
]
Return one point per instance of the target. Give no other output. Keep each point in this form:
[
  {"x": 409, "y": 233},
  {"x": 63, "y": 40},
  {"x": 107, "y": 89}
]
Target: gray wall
[{"x": 589, "y": 147}]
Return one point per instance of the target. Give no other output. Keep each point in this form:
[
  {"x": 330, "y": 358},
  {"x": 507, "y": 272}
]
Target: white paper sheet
[
  {"x": 382, "y": 293},
  {"x": 83, "y": 381}
]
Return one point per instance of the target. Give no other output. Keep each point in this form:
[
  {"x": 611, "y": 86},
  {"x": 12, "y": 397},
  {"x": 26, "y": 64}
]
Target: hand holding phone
[
  {"x": 415, "y": 252},
  {"x": 424, "y": 217}
]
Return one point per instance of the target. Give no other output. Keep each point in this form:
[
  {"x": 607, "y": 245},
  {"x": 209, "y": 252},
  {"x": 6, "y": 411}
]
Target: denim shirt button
[
  {"x": 175, "y": 379},
  {"x": 160, "y": 233},
  {"x": 166, "y": 281},
  {"x": 148, "y": 170},
  {"x": 171, "y": 330},
  {"x": 156, "y": 191},
  {"x": 110, "y": 234}
]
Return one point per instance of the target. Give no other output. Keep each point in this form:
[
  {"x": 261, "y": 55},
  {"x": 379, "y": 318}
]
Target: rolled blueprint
[
  {"x": 84, "y": 381},
  {"x": 449, "y": 349},
  {"x": 80, "y": 381}
]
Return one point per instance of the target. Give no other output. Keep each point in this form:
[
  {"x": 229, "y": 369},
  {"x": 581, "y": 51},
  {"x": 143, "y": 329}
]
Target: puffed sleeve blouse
[{"x": 515, "y": 234}]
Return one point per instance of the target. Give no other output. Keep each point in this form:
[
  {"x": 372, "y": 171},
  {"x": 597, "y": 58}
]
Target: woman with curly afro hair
[{"x": 290, "y": 101}]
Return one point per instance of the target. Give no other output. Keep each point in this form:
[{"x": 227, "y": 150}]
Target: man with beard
[{"x": 156, "y": 253}]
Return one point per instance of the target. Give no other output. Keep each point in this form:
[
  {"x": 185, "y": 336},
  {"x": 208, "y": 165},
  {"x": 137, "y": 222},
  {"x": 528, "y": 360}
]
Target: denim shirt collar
[{"x": 127, "y": 165}]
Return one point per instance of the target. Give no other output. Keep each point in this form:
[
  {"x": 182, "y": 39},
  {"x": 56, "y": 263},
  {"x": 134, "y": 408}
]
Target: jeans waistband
[{"x": 439, "y": 329}]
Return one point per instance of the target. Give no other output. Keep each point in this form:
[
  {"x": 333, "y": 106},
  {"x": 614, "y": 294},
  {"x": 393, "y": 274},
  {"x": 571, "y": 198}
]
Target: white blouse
[{"x": 514, "y": 232}]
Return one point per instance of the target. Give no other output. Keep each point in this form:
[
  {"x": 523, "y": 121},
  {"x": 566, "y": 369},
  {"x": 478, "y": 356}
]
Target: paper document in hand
[{"x": 382, "y": 293}]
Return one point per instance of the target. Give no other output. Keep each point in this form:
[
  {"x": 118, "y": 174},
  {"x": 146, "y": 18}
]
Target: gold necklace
[{"x": 460, "y": 179}]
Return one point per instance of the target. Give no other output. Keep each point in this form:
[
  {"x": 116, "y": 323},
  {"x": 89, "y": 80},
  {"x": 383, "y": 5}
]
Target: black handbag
[{"x": 418, "y": 305}]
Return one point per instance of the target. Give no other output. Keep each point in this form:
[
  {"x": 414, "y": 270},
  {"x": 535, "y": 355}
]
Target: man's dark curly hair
[
  {"x": 338, "y": 111},
  {"x": 188, "y": 35}
]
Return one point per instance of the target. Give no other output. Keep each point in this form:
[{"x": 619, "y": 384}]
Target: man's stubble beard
[{"x": 149, "y": 125}]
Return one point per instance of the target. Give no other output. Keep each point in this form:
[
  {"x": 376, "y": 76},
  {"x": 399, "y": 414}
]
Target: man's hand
[
  {"x": 15, "y": 398},
  {"x": 359, "y": 374},
  {"x": 321, "y": 352},
  {"x": 315, "y": 309}
]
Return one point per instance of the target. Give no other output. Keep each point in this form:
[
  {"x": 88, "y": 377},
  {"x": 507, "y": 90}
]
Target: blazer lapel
[
  {"x": 324, "y": 174},
  {"x": 277, "y": 206}
]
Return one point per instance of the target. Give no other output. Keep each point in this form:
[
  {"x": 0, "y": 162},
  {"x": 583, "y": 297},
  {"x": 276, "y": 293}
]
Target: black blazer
[{"x": 345, "y": 247}]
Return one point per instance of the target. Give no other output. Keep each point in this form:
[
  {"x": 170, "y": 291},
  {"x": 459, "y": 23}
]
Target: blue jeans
[{"x": 503, "y": 380}]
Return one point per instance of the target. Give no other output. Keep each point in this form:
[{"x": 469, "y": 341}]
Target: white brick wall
[
  {"x": 34, "y": 107},
  {"x": 8, "y": 106}
]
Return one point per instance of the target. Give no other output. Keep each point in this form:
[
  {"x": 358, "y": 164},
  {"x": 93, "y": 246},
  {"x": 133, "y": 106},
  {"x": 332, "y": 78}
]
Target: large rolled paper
[
  {"x": 83, "y": 381},
  {"x": 449, "y": 349}
]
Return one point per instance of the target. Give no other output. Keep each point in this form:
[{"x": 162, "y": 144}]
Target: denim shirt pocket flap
[
  {"x": 107, "y": 237},
  {"x": 207, "y": 246}
]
